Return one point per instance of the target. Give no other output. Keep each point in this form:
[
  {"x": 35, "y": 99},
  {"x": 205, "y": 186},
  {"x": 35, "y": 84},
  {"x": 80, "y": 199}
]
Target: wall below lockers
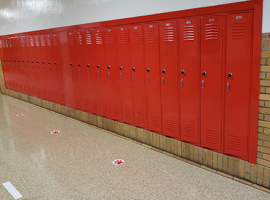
[{"x": 211, "y": 107}]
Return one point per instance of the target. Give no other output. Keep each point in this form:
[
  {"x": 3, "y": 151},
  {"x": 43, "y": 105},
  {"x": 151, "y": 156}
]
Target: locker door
[
  {"x": 190, "y": 79},
  {"x": 22, "y": 61},
  {"x": 169, "y": 83},
  {"x": 38, "y": 69},
  {"x": 18, "y": 61},
  {"x": 211, "y": 82},
  {"x": 91, "y": 72},
  {"x": 74, "y": 71},
  {"x": 27, "y": 66},
  {"x": 13, "y": 65},
  {"x": 32, "y": 58},
  {"x": 152, "y": 77},
  {"x": 51, "y": 75},
  {"x": 58, "y": 67},
  {"x": 4, "y": 65},
  {"x": 238, "y": 69},
  {"x": 124, "y": 74},
  {"x": 137, "y": 73},
  {"x": 80, "y": 62},
  {"x": 44, "y": 71},
  {"x": 112, "y": 73},
  {"x": 104, "y": 107}
]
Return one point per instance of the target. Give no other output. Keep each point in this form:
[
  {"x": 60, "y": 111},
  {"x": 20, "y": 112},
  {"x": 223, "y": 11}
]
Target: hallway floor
[{"x": 77, "y": 163}]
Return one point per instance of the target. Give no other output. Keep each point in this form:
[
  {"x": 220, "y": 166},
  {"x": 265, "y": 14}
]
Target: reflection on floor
[{"x": 76, "y": 163}]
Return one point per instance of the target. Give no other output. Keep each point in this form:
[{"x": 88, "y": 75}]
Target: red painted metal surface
[
  {"x": 211, "y": 77},
  {"x": 238, "y": 71},
  {"x": 85, "y": 87},
  {"x": 152, "y": 76},
  {"x": 124, "y": 74},
  {"x": 169, "y": 78},
  {"x": 112, "y": 73},
  {"x": 189, "y": 56},
  {"x": 137, "y": 75}
]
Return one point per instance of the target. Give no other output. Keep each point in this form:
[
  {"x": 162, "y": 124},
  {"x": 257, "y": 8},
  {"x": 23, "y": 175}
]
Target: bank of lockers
[{"x": 183, "y": 78}]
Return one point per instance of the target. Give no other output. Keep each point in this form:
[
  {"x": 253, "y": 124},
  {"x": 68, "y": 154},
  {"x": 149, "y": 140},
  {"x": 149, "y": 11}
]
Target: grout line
[{"x": 248, "y": 183}]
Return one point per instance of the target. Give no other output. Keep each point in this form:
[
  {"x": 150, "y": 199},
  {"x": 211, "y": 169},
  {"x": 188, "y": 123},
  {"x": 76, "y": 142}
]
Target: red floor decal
[
  {"x": 118, "y": 162},
  {"x": 55, "y": 132},
  {"x": 19, "y": 115}
]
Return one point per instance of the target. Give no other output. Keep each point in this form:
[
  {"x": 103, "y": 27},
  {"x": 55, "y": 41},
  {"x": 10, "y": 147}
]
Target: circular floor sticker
[
  {"x": 19, "y": 115},
  {"x": 118, "y": 162},
  {"x": 55, "y": 132}
]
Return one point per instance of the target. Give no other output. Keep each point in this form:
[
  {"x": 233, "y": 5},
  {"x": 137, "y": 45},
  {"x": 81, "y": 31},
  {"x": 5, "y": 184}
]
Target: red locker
[
  {"x": 38, "y": 69},
  {"x": 51, "y": 78},
  {"x": 34, "y": 82},
  {"x": 103, "y": 91},
  {"x": 190, "y": 79},
  {"x": 57, "y": 66},
  {"x": 19, "y": 64},
  {"x": 75, "y": 102},
  {"x": 124, "y": 74},
  {"x": 237, "y": 97},
  {"x": 152, "y": 76},
  {"x": 138, "y": 84},
  {"x": 169, "y": 81},
  {"x": 22, "y": 61},
  {"x": 112, "y": 73},
  {"x": 91, "y": 71},
  {"x": 211, "y": 82}
]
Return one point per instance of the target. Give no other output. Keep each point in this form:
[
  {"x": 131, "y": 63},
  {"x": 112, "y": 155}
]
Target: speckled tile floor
[{"x": 77, "y": 163}]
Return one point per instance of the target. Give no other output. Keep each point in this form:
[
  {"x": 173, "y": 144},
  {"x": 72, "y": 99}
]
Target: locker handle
[
  {"x": 203, "y": 84},
  {"x": 133, "y": 77},
  {"x": 162, "y": 80},
  {"x": 79, "y": 71},
  {"x": 120, "y": 76},
  {"x": 147, "y": 79},
  {"x": 228, "y": 87},
  {"x": 182, "y": 84},
  {"x": 109, "y": 74}
]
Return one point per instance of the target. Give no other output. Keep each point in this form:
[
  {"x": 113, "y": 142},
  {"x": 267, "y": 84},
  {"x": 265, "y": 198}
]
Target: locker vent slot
[
  {"x": 140, "y": 117},
  {"x": 37, "y": 42},
  {"x": 105, "y": 109},
  {"x": 235, "y": 142},
  {"x": 210, "y": 136},
  {"x": 79, "y": 40},
  {"x": 154, "y": 121},
  {"x": 109, "y": 38},
  {"x": 88, "y": 38},
  {"x": 238, "y": 30},
  {"x": 189, "y": 33},
  {"x": 123, "y": 39},
  {"x": 211, "y": 31},
  {"x": 55, "y": 41},
  {"x": 151, "y": 36},
  {"x": 170, "y": 126},
  {"x": 49, "y": 41},
  {"x": 136, "y": 37},
  {"x": 115, "y": 111},
  {"x": 42, "y": 41},
  {"x": 127, "y": 114},
  {"x": 168, "y": 34},
  {"x": 31, "y": 42},
  {"x": 189, "y": 130},
  {"x": 98, "y": 38}
]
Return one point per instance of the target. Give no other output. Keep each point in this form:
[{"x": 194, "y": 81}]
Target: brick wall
[{"x": 263, "y": 153}]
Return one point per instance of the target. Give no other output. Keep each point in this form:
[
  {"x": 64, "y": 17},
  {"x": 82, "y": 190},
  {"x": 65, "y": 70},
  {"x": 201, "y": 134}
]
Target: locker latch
[
  {"x": 98, "y": 73},
  {"x": 109, "y": 74},
  {"x": 182, "y": 84},
  {"x": 228, "y": 87},
  {"x": 120, "y": 76},
  {"x": 203, "y": 84},
  {"x": 147, "y": 79},
  {"x": 133, "y": 77},
  {"x": 162, "y": 80},
  {"x": 79, "y": 71}
]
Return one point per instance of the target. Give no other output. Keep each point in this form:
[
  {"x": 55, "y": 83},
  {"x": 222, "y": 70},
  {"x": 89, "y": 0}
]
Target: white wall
[{"x": 28, "y": 15}]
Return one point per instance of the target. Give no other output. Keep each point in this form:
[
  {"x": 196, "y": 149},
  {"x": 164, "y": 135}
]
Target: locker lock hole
[
  {"x": 230, "y": 75},
  {"x": 164, "y": 71},
  {"x": 133, "y": 69},
  {"x": 88, "y": 65},
  {"x": 109, "y": 67},
  {"x": 79, "y": 65},
  {"x": 98, "y": 66},
  {"x": 121, "y": 68},
  {"x": 204, "y": 73},
  {"x": 148, "y": 70},
  {"x": 70, "y": 64},
  {"x": 183, "y": 72}
]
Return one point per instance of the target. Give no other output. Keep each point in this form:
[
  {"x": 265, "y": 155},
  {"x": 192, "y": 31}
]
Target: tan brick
[
  {"x": 261, "y": 103},
  {"x": 262, "y": 75},
  {"x": 230, "y": 165},
  {"x": 247, "y": 171},
  {"x": 187, "y": 151},
  {"x": 200, "y": 155},
  {"x": 264, "y": 35},
  {"x": 191, "y": 147},
  {"x": 196, "y": 154},
  {"x": 266, "y": 175},
  {"x": 263, "y": 149},
  {"x": 260, "y": 129},
  {"x": 241, "y": 168},
  {"x": 262, "y": 90},
  {"x": 260, "y": 142},
  {"x": 265, "y": 54},
  {"x": 214, "y": 160},
  {"x": 263, "y": 61},
  {"x": 264, "y": 97},
  {"x": 266, "y": 45},
  {"x": 264, "y": 124},
  {"x": 183, "y": 149},
  {"x": 268, "y": 77},
  {"x": 265, "y": 83},
  {"x": 225, "y": 163},
  {"x": 253, "y": 173},
  {"x": 266, "y": 144},
  {"x": 259, "y": 174},
  {"x": 266, "y": 157},
  {"x": 263, "y": 162},
  {"x": 205, "y": 155},
  {"x": 235, "y": 167},
  {"x": 267, "y": 104},
  {"x": 260, "y": 116},
  {"x": 259, "y": 155},
  {"x": 266, "y": 130},
  {"x": 268, "y": 61},
  {"x": 267, "y": 118},
  {"x": 264, "y": 137},
  {"x": 179, "y": 147},
  {"x": 210, "y": 159}
]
